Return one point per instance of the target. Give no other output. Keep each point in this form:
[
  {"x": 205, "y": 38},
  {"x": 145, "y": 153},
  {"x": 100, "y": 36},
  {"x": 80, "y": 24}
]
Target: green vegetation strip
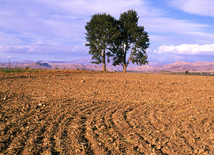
[{"x": 19, "y": 70}]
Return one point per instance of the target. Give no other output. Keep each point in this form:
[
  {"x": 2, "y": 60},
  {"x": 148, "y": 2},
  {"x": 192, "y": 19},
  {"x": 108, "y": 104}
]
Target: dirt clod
[{"x": 111, "y": 113}]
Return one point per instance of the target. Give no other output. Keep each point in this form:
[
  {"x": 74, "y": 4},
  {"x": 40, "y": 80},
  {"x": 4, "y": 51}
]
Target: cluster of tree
[{"x": 112, "y": 40}]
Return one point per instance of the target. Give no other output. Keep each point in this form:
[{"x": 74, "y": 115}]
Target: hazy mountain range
[
  {"x": 84, "y": 64},
  {"x": 179, "y": 66}
]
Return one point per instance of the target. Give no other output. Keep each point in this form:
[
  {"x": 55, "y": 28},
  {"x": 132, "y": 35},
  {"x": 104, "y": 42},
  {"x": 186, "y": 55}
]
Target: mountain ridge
[{"x": 178, "y": 66}]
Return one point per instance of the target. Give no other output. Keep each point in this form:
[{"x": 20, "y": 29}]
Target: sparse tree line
[{"x": 121, "y": 41}]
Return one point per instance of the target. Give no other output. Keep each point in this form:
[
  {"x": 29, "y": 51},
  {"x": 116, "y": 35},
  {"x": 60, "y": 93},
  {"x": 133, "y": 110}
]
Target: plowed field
[{"x": 106, "y": 113}]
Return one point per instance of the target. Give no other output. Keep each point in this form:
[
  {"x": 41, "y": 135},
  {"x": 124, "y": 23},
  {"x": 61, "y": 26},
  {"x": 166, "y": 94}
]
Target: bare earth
[{"x": 106, "y": 113}]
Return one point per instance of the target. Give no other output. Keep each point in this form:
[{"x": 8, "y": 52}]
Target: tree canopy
[
  {"x": 109, "y": 37},
  {"x": 101, "y": 31}
]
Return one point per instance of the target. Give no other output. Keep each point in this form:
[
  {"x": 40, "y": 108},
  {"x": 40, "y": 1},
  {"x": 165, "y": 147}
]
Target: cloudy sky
[{"x": 54, "y": 29}]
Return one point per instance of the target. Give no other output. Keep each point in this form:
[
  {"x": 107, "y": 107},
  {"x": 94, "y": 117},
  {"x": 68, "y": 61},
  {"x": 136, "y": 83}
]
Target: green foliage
[
  {"x": 27, "y": 67},
  {"x": 101, "y": 30},
  {"x": 109, "y": 37},
  {"x": 13, "y": 70},
  {"x": 19, "y": 70},
  {"x": 132, "y": 39},
  {"x": 186, "y": 72}
]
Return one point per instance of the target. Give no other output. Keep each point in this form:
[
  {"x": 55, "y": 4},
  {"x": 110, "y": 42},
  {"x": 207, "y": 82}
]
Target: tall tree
[
  {"x": 132, "y": 39},
  {"x": 101, "y": 31}
]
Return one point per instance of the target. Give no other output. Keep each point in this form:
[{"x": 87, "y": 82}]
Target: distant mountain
[
  {"x": 145, "y": 68},
  {"x": 57, "y": 61},
  {"x": 62, "y": 66},
  {"x": 26, "y": 62},
  {"x": 179, "y": 66},
  {"x": 84, "y": 61}
]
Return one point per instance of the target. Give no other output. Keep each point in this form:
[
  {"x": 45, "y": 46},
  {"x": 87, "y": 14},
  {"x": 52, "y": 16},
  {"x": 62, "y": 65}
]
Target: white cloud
[
  {"x": 65, "y": 20},
  {"x": 198, "y": 7},
  {"x": 90, "y": 7},
  {"x": 34, "y": 21},
  {"x": 46, "y": 49},
  {"x": 43, "y": 51},
  {"x": 169, "y": 25},
  {"x": 62, "y": 21},
  {"x": 158, "y": 39},
  {"x": 55, "y": 20},
  {"x": 9, "y": 39},
  {"x": 191, "y": 49}
]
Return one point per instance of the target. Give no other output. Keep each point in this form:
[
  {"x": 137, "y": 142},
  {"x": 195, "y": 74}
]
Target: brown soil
[{"x": 106, "y": 113}]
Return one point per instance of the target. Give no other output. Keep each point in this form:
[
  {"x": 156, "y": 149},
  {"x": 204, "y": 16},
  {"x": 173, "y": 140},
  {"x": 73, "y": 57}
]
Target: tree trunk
[
  {"x": 124, "y": 68},
  {"x": 124, "y": 59},
  {"x": 104, "y": 61},
  {"x": 104, "y": 67}
]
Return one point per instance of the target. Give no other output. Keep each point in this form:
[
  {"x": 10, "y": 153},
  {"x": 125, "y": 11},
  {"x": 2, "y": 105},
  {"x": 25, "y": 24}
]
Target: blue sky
[{"x": 54, "y": 29}]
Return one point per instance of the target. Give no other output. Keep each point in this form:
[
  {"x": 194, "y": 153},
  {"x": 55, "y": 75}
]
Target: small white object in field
[{"x": 40, "y": 104}]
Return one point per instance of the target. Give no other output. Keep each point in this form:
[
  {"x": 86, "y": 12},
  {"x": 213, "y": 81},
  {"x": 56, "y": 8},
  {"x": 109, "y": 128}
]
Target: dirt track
[{"x": 106, "y": 113}]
